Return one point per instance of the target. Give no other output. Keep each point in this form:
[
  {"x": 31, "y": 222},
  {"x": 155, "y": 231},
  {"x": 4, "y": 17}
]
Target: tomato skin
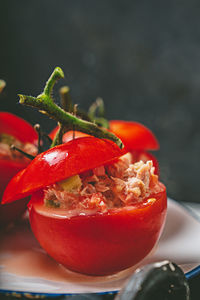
[
  {"x": 12, "y": 211},
  {"x": 9, "y": 212},
  {"x": 134, "y": 135},
  {"x": 101, "y": 244},
  {"x": 59, "y": 163},
  {"x": 22, "y": 130},
  {"x": 17, "y": 127}
]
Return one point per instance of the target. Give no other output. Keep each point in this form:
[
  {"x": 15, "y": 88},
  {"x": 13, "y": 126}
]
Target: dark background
[{"x": 142, "y": 57}]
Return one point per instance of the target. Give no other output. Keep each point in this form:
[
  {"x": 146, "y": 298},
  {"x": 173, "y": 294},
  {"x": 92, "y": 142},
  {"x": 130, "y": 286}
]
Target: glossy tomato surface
[
  {"x": 59, "y": 163},
  {"x": 99, "y": 244},
  {"x": 17, "y": 127},
  {"x": 134, "y": 135},
  {"x": 23, "y": 131}
]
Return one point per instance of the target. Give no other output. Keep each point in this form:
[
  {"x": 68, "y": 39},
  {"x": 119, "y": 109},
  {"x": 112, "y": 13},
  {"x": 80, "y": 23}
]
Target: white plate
[{"x": 27, "y": 269}]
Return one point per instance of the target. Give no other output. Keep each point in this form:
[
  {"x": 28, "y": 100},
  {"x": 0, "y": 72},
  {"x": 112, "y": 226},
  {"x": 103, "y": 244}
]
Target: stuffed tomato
[
  {"x": 16, "y": 131},
  {"x": 92, "y": 210}
]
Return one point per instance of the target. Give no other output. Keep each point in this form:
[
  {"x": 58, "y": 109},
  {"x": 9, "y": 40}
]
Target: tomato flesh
[{"x": 100, "y": 244}]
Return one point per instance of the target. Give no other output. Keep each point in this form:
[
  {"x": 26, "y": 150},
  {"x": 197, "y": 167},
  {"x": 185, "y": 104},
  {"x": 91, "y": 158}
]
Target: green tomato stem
[
  {"x": 39, "y": 133},
  {"x": 66, "y": 101},
  {"x": 44, "y": 103},
  {"x": 14, "y": 148},
  {"x": 98, "y": 107},
  {"x": 55, "y": 76},
  {"x": 58, "y": 138}
]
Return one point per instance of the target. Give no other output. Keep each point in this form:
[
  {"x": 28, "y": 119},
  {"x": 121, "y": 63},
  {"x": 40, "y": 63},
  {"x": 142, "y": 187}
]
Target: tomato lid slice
[
  {"x": 134, "y": 135},
  {"x": 61, "y": 162}
]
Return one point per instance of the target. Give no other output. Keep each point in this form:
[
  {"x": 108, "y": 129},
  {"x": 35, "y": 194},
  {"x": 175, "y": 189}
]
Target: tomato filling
[
  {"x": 111, "y": 186},
  {"x": 6, "y": 153}
]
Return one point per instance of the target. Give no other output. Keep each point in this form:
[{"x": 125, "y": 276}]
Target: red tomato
[
  {"x": 137, "y": 154},
  {"x": 97, "y": 244},
  {"x": 23, "y": 131},
  {"x": 17, "y": 127},
  {"x": 135, "y": 136}
]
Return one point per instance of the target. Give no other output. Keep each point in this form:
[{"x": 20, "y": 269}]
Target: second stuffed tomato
[
  {"x": 91, "y": 209},
  {"x": 16, "y": 131}
]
